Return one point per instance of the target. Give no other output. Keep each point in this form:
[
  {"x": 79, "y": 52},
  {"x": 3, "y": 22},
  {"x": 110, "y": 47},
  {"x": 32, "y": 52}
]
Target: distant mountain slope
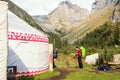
[
  {"x": 107, "y": 35},
  {"x": 67, "y": 15},
  {"x": 96, "y": 19},
  {"x": 102, "y": 11},
  {"x": 22, "y": 14},
  {"x": 42, "y": 20}
]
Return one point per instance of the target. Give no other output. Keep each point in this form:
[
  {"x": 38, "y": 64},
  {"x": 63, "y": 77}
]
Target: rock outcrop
[{"x": 99, "y": 4}]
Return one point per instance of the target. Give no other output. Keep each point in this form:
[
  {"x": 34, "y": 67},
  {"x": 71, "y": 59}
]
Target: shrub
[
  {"x": 26, "y": 78},
  {"x": 104, "y": 58}
]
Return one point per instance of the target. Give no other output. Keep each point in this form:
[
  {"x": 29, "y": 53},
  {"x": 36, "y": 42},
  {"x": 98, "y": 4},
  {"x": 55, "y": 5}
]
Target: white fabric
[
  {"x": 17, "y": 24},
  {"x": 3, "y": 40},
  {"x": 28, "y": 47},
  {"x": 116, "y": 58},
  {"x": 91, "y": 59}
]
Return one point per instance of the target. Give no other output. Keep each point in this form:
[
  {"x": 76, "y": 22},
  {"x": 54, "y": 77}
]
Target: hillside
[
  {"x": 97, "y": 18},
  {"x": 102, "y": 11},
  {"x": 107, "y": 35},
  {"x": 99, "y": 4}
]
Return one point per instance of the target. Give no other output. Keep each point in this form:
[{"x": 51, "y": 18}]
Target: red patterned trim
[
  {"x": 27, "y": 37},
  {"x": 32, "y": 73},
  {"x": 51, "y": 58}
]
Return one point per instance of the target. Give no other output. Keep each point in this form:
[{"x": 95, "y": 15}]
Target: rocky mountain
[
  {"x": 67, "y": 15},
  {"x": 99, "y": 4},
  {"x": 116, "y": 13},
  {"x": 102, "y": 12}
]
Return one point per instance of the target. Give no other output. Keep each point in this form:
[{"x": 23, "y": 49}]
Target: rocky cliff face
[
  {"x": 67, "y": 15},
  {"x": 99, "y": 4},
  {"x": 116, "y": 13}
]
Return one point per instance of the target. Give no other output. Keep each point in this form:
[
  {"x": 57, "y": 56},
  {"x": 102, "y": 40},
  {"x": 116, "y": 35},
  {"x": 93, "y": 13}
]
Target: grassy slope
[{"x": 104, "y": 36}]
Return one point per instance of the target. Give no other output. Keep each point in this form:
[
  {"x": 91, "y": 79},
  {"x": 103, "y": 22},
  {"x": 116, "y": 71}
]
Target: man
[
  {"x": 79, "y": 53},
  {"x": 55, "y": 56}
]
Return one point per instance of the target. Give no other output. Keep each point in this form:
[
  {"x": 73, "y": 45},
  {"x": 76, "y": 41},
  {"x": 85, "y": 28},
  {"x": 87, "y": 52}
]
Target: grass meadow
[{"x": 89, "y": 72}]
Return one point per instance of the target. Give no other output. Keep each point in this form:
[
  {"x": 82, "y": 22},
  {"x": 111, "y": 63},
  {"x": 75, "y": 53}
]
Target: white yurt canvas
[
  {"x": 28, "y": 47},
  {"x": 92, "y": 59},
  {"x": 3, "y": 40}
]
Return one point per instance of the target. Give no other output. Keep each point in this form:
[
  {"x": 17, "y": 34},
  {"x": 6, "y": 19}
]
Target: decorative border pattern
[
  {"x": 32, "y": 73},
  {"x": 27, "y": 37}
]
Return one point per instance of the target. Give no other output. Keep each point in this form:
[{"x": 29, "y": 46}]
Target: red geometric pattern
[
  {"x": 51, "y": 58},
  {"x": 32, "y": 73},
  {"x": 27, "y": 37}
]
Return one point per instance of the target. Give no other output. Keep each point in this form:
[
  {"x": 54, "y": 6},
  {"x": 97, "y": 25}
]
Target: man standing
[
  {"x": 55, "y": 56},
  {"x": 79, "y": 53}
]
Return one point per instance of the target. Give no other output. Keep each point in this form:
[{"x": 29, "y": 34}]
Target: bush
[
  {"x": 26, "y": 78},
  {"x": 104, "y": 58},
  {"x": 91, "y": 50}
]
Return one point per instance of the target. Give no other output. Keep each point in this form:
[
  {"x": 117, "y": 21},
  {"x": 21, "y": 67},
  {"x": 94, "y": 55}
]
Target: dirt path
[{"x": 63, "y": 73}]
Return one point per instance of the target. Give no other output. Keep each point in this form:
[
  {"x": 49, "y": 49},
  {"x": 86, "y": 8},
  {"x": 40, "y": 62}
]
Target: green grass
[
  {"x": 86, "y": 75},
  {"x": 41, "y": 76},
  {"x": 46, "y": 75}
]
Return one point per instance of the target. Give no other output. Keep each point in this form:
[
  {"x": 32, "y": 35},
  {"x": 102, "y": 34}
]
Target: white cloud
[{"x": 43, "y": 7}]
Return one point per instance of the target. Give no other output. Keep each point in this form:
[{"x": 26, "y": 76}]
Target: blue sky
[{"x": 44, "y": 7}]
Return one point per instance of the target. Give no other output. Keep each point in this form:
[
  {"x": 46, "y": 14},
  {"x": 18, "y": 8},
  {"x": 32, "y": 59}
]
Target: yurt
[
  {"x": 3, "y": 40},
  {"x": 28, "y": 48}
]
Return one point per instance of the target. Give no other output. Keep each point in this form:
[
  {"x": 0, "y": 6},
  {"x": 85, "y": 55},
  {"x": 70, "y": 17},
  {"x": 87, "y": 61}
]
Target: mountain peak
[
  {"x": 67, "y": 15},
  {"x": 66, "y": 2}
]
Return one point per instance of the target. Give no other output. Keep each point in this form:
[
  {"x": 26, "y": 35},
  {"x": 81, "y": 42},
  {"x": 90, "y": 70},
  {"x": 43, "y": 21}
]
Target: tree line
[{"x": 107, "y": 35}]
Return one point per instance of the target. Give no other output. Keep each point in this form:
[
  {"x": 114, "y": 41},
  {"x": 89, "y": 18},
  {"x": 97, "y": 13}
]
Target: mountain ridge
[
  {"x": 99, "y": 17},
  {"x": 103, "y": 3},
  {"x": 67, "y": 15}
]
